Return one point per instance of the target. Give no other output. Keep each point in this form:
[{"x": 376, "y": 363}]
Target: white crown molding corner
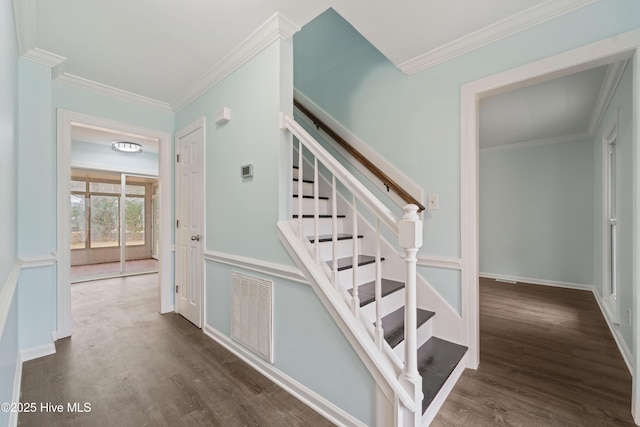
[
  {"x": 37, "y": 262},
  {"x": 112, "y": 92},
  {"x": 44, "y": 57},
  {"x": 504, "y": 28},
  {"x": 608, "y": 89},
  {"x": 276, "y": 27},
  {"x": 580, "y": 136},
  {"x": 24, "y": 12}
]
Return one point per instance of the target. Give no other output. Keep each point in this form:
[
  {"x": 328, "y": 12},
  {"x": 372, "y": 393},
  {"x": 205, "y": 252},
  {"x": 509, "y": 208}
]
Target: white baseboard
[
  {"x": 307, "y": 396},
  {"x": 622, "y": 346},
  {"x": 38, "y": 351},
  {"x": 15, "y": 397},
  {"x": 515, "y": 279}
]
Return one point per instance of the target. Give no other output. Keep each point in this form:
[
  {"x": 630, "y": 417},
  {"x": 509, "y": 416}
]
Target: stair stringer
[{"x": 380, "y": 364}]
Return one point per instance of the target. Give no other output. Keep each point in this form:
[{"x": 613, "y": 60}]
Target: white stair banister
[
  {"x": 405, "y": 380},
  {"x": 410, "y": 237}
]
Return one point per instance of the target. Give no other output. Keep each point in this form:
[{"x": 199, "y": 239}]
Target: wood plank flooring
[
  {"x": 547, "y": 358},
  {"x": 139, "y": 368}
]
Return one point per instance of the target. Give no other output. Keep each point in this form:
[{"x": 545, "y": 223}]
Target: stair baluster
[
  {"x": 354, "y": 233},
  {"x": 334, "y": 229},
  {"x": 300, "y": 190},
  {"x": 316, "y": 211},
  {"x": 379, "y": 337}
]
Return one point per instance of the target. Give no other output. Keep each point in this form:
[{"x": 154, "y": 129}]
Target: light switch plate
[{"x": 433, "y": 202}]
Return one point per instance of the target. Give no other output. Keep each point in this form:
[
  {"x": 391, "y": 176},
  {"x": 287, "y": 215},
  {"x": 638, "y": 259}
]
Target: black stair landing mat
[
  {"x": 367, "y": 291},
  {"x": 347, "y": 262},
  {"x": 393, "y": 324},
  {"x": 437, "y": 358},
  {"x": 329, "y": 237}
]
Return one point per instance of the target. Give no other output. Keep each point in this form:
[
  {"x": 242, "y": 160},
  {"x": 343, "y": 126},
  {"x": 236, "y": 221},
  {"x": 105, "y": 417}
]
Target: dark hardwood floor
[
  {"x": 136, "y": 367},
  {"x": 547, "y": 358}
]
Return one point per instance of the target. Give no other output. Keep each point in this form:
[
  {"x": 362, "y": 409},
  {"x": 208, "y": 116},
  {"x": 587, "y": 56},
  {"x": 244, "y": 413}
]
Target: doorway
[
  {"x": 600, "y": 53},
  {"x": 66, "y": 121},
  {"x": 106, "y": 240}
]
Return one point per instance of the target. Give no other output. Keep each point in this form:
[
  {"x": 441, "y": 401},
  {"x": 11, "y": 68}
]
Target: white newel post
[{"x": 410, "y": 236}]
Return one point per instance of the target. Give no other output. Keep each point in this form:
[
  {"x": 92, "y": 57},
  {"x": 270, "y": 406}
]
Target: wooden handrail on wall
[{"x": 386, "y": 180}]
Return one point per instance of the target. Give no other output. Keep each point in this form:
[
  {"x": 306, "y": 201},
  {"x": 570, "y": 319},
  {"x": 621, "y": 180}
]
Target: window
[{"x": 95, "y": 214}]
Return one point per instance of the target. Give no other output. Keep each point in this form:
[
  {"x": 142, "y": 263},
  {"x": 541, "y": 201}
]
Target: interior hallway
[
  {"x": 547, "y": 358},
  {"x": 137, "y": 367}
]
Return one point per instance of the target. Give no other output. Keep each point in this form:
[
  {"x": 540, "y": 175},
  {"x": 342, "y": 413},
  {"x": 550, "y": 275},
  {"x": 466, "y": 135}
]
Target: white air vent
[{"x": 252, "y": 314}]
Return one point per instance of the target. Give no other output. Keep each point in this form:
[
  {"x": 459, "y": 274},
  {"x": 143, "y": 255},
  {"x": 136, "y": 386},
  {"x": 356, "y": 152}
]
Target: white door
[{"x": 190, "y": 222}]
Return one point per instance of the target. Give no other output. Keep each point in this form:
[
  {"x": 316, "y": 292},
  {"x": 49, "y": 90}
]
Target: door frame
[
  {"x": 620, "y": 47},
  {"x": 65, "y": 120},
  {"x": 199, "y": 123}
]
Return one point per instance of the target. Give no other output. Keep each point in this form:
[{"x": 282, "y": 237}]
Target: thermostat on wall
[{"x": 246, "y": 171}]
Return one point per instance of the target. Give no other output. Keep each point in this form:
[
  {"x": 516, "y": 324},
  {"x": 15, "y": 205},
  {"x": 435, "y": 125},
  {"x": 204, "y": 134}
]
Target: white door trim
[
  {"x": 65, "y": 120},
  {"x": 186, "y": 130},
  {"x": 605, "y": 51}
]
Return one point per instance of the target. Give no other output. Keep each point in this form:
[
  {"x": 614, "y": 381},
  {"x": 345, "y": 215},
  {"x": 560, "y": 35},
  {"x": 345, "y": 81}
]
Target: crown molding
[
  {"x": 580, "y": 136},
  {"x": 112, "y": 92},
  {"x": 274, "y": 28},
  {"x": 608, "y": 89},
  {"x": 44, "y": 57},
  {"x": 24, "y": 12},
  {"x": 506, "y": 27}
]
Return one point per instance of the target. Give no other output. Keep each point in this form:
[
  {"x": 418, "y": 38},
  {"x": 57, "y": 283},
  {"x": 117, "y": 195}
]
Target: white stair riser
[
  {"x": 390, "y": 303},
  {"x": 365, "y": 273},
  {"x": 309, "y": 206},
  {"x": 425, "y": 331},
  {"x": 307, "y": 189},
  {"x": 344, "y": 248},
  {"x": 325, "y": 226}
]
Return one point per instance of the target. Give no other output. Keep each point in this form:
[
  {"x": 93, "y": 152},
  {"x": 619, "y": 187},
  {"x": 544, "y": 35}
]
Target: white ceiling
[
  {"x": 166, "y": 52},
  {"x": 96, "y": 135},
  {"x": 159, "y": 48},
  {"x": 562, "y": 107}
]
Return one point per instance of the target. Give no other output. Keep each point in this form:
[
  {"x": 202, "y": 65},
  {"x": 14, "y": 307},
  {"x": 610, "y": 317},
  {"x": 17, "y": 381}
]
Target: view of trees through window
[{"x": 95, "y": 214}]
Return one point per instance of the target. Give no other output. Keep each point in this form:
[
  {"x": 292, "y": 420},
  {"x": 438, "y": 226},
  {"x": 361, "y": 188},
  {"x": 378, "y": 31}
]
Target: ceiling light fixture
[{"x": 126, "y": 146}]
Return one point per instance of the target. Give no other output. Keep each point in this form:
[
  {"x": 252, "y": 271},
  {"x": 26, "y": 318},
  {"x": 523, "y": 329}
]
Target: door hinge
[
  {"x": 177, "y": 223},
  {"x": 177, "y": 289},
  {"x": 177, "y": 158}
]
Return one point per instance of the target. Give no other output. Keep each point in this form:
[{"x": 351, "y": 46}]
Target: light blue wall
[
  {"x": 414, "y": 121},
  {"x": 241, "y": 220},
  {"x": 308, "y": 346},
  {"x": 621, "y": 105},
  {"x": 536, "y": 212},
  {"x": 241, "y": 214},
  {"x": 9, "y": 125},
  {"x": 9, "y": 348},
  {"x": 102, "y": 157},
  {"x": 39, "y": 100}
]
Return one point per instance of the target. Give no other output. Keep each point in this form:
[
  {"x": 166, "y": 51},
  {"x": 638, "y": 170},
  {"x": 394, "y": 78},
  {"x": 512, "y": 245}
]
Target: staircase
[{"x": 367, "y": 285}]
